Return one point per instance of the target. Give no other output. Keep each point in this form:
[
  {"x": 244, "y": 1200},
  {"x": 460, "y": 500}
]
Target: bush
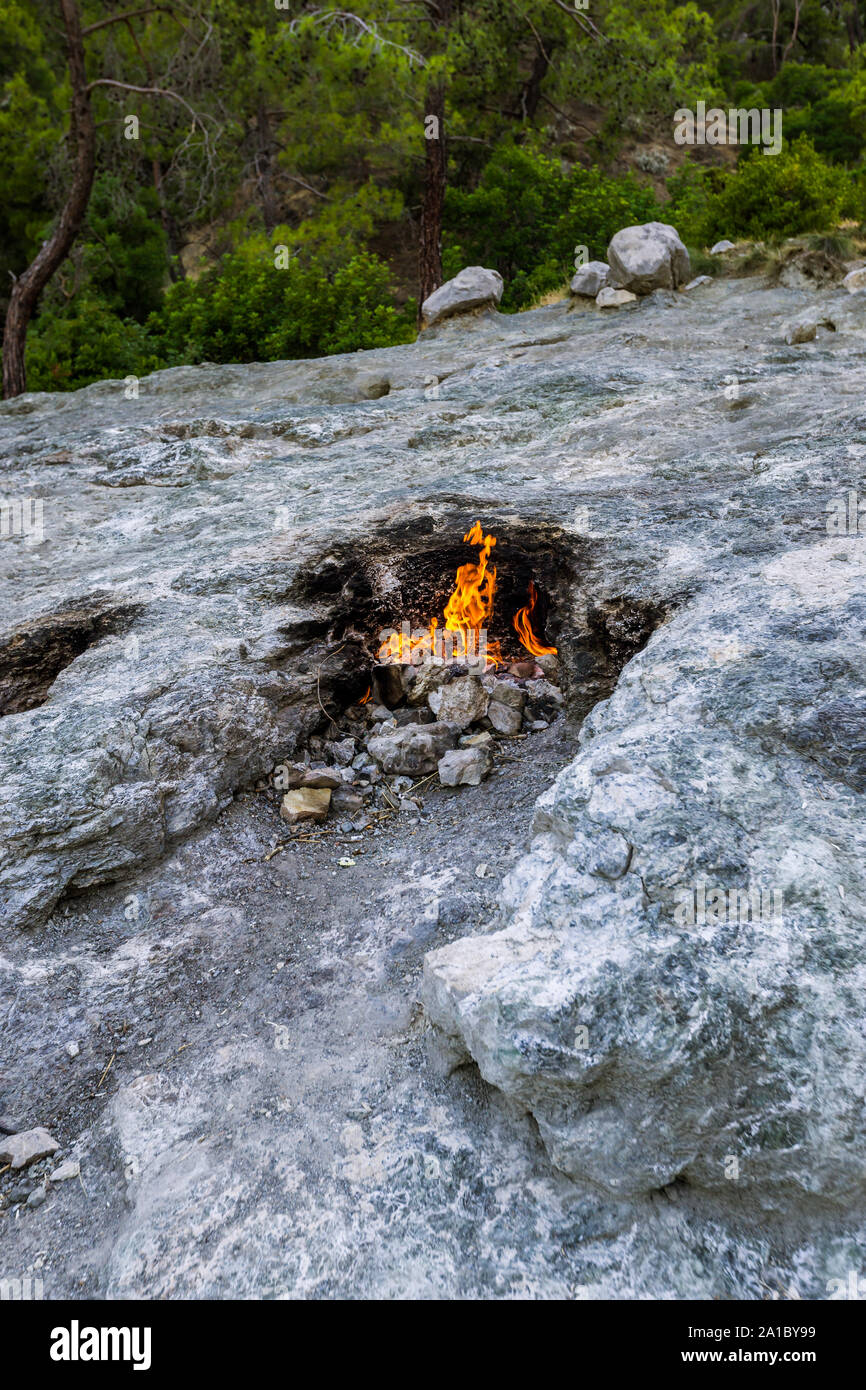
[
  {"x": 85, "y": 343},
  {"x": 528, "y": 214},
  {"x": 242, "y": 310},
  {"x": 247, "y": 310},
  {"x": 766, "y": 198}
]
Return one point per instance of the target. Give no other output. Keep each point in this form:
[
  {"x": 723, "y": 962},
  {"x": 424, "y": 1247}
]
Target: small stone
[
  {"x": 36, "y": 1198},
  {"x": 537, "y": 725},
  {"x": 698, "y": 281},
  {"x": 344, "y": 751},
  {"x": 590, "y": 278},
  {"x": 461, "y": 703},
  {"x": 8, "y": 1125},
  {"x": 465, "y": 767},
  {"x": 505, "y": 719},
  {"x": 64, "y": 1171},
  {"x": 522, "y": 669},
  {"x": 549, "y": 663},
  {"x": 414, "y": 750},
  {"x": 20, "y": 1150},
  {"x": 320, "y": 777},
  {"x": 428, "y": 678},
  {"x": 345, "y": 800},
  {"x": 476, "y": 740},
  {"x": 720, "y": 247},
  {"x": 508, "y": 694},
  {"x": 801, "y": 331},
  {"x": 307, "y": 803},
  {"x": 541, "y": 690},
  {"x": 413, "y": 715},
  {"x": 377, "y": 712},
  {"x": 855, "y": 279},
  {"x": 72, "y": 1049},
  {"x": 609, "y": 298}
]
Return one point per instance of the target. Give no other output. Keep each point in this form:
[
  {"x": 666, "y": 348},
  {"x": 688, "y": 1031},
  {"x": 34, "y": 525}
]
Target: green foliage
[
  {"x": 30, "y": 131},
  {"x": 767, "y": 197},
  {"x": 247, "y": 309},
  {"x": 124, "y": 248},
  {"x": 528, "y": 214},
  {"x": 87, "y": 342}
]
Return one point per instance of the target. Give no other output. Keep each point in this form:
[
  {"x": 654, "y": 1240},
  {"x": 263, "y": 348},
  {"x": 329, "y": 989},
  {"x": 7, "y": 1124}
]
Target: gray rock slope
[{"x": 688, "y": 458}]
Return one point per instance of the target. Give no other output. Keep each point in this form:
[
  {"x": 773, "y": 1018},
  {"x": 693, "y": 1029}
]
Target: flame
[
  {"x": 364, "y": 698},
  {"x": 468, "y": 609},
  {"x": 523, "y": 626}
]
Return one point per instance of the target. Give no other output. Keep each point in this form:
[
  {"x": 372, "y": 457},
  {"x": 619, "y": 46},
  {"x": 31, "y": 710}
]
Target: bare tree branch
[
  {"x": 344, "y": 19},
  {"x": 128, "y": 14}
]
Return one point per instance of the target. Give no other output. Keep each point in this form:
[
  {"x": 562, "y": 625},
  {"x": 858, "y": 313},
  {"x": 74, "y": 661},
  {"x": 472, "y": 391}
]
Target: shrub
[
  {"x": 245, "y": 309},
  {"x": 765, "y": 198},
  {"x": 84, "y": 343}
]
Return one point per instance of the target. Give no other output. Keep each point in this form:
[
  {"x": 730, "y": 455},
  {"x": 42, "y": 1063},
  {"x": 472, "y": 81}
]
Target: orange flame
[
  {"x": 523, "y": 626},
  {"x": 471, "y": 604},
  {"x": 364, "y": 698},
  {"x": 466, "y": 612}
]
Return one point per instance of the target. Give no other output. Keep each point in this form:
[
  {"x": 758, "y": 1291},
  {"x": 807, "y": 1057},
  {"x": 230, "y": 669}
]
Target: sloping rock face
[
  {"x": 648, "y": 257},
  {"x": 692, "y": 462}
]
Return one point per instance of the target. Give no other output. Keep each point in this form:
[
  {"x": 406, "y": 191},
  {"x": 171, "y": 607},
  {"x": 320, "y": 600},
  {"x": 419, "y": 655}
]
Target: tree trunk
[
  {"x": 28, "y": 287},
  {"x": 530, "y": 94},
  {"x": 430, "y": 247}
]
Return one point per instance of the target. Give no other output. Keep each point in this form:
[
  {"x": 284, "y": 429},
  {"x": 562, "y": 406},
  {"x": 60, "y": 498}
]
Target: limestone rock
[
  {"x": 801, "y": 331},
  {"x": 461, "y": 702},
  {"x": 610, "y": 298},
  {"x": 20, "y": 1150},
  {"x": 66, "y": 1170},
  {"x": 508, "y": 694},
  {"x": 429, "y": 678},
  {"x": 590, "y": 278},
  {"x": 414, "y": 750},
  {"x": 465, "y": 767},
  {"x": 721, "y": 247},
  {"x": 855, "y": 280},
  {"x": 306, "y": 803},
  {"x": 648, "y": 257},
  {"x": 505, "y": 719},
  {"x": 473, "y": 288}
]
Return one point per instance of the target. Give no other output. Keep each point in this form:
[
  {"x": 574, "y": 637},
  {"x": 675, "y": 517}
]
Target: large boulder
[
  {"x": 673, "y": 994},
  {"x": 648, "y": 257},
  {"x": 473, "y": 288}
]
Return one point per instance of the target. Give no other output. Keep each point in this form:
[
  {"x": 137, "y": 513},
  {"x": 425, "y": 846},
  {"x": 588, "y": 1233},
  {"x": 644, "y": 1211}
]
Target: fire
[
  {"x": 523, "y": 626},
  {"x": 467, "y": 614},
  {"x": 467, "y": 611}
]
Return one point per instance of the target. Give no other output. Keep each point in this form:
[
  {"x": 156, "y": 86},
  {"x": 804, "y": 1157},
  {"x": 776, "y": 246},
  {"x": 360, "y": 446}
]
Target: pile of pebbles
[{"x": 420, "y": 724}]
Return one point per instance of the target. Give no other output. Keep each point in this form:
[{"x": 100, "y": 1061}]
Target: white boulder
[
  {"x": 473, "y": 288},
  {"x": 648, "y": 257}
]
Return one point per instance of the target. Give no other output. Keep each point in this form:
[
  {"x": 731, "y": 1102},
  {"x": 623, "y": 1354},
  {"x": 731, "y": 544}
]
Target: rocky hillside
[{"x": 533, "y": 1037}]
